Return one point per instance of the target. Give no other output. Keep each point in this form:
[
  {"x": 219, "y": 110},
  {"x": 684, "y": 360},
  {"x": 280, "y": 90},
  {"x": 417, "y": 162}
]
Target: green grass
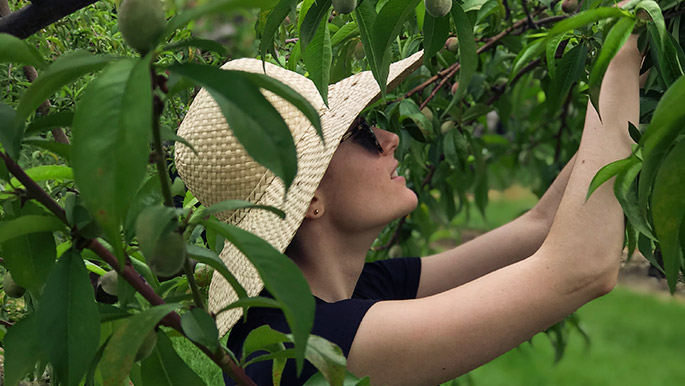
[{"x": 636, "y": 339}]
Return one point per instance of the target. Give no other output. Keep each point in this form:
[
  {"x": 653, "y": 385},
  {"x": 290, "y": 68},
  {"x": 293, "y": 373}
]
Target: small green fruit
[
  {"x": 395, "y": 251},
  {"x": 203, "y": 275},
  {"x": 455, "y": 86},
  {"x": 168, "y": 256},
  {"x": 428, "y": 113},
  {"x": 569, "y": 6},
  {"x": 438, "y": 8},
  {"x": 109, "y": 282},
  {"x": 12, "y": 289},
  {"x": 141, "y": 22},
  {"x": 147, "y": 346},
  {"x": 344, "y": 6},
  {"x": 447, "y": 126},
  {"x": 452, "y": 44}
]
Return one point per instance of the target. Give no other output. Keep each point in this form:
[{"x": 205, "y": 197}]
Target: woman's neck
[{"x": 330, "y": 261}]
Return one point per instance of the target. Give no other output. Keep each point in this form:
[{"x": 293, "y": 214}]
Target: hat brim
[{"x": 347, "y": 99}]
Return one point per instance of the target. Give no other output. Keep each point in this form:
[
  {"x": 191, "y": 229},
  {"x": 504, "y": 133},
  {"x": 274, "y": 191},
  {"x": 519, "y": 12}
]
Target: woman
[{"x": 411, "y": 321}]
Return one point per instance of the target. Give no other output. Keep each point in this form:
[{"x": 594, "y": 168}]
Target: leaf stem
[
  {"x": 160, "y": 158},
  {"x": 197, "y": 297}
]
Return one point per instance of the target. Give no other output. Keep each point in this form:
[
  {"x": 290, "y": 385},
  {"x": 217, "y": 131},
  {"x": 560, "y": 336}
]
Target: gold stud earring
[{"x": 316, "y": 211}]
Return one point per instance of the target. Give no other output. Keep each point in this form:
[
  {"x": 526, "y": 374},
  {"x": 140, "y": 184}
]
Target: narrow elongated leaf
[
  {"x": 257, "y": 301},
  {"x": 584, "y": 18},
  {"x": 528, "y": 53},
  {"x": 625, "y": 189},
  {"x": 43, "y": 173},
  {"x": 68, "y": 319},
  {"x": 613, "y": 42},
  {"x": 15, "y": 50},
  {"x": 345, "y": 32},
  {"x": 64, "y": 70},
  {"x": 22, "y": 349},
  {"x": 318, "y": 57},
  {"x": 327, "y": 358},
  {"x": 199, "y": 327},
  {"x": 657, "y": 17},
  {"x": 550, "y": 53},
  {"x": 571, "y": 68},
  {"x": 254, "y": 121},
  {"x": 203, "y": 44},
  {"x": 273, "y": 21},
  {"x": 210, "y": 7},
  {"x": 668, "y": 210},
  {"x": 209, "y": 257},
  {"x": 312, "y": 20},
  {"x": 111, "y": 135},
  {"x": 435, "y": 32},
  {"x": 230, "y": 205},
  {"x": 365, "y": 17},
  {"x": 262, "y": 338},
  {"x": 165, "y": 368},
  {"x": 467, "y": 50},
  {"x": 29, "y": 224},
  {"x": 282, "y": 278},
  {"x": 386, "y": 28},
  {"x": 667, "y": 123},
  {"x": 10, "y": 131},
  {"x": 117, "y": 359},
  {"x": 149, "y": 194},
  {"x": 29, "y": 256},
  {"x": 61, "y": 149},
  {"x": 608, "y": 171}
]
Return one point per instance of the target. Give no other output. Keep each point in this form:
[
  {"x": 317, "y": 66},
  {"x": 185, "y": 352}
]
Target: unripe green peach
[
  {"x": 344, "y": 6},
  {"x": 447, "y": 126},
  {"x": 428, "y": 113},
  {"x": 12, "y": 289},
  {"x": 141, "y": 22},
  {"x": 569, "y": 6},
  {"x": 203, "y": 275},
  {"x": 395, "y": 251},
  {"x": 168, "y": 256},
  {"x": 452, "y": 44},
  {"x": 147, "y": 346},
  {"x": 359, "y": 51},
  {"x": 438, "y": 8},
  {"x": 109, "y": 282}
]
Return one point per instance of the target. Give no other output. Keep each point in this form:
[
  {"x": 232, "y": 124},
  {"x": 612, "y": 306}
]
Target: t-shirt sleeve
[{"x": 391, "y": 279}]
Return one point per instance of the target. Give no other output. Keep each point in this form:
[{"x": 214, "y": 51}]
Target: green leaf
[
  {"x": 273, "y": 21},
  {"x": 467, "y": 50},
  {"x": 657, "y": 17},
  {"x": 149, "y": 194},
  {"x": 68, "y": 319},
  {"x": 61, "y": 149},
  {"x": 318, "y": 57},
  {"x": 10, "y": 132},
  {"x": 551, "y": 48},
  {"x": 571, "y": 68},
  {"x": 230, "y": 205},
  {"x": 365, "y": 17},
  {"x": 282, "y": 278},
  {"x": 43, "y": 173},
  {"x": 608, "y": 171},
  {"x": 613, "y": 42},
  {"x": 64, "y": 70},
  {"x": 531, "y": 51},
  {"x": 345, "y": 32},
  {"x": 167, "y": 135},
  {"x": 110, "y": 147},
  {"x": 625, "y": 189},
  {"x": 22, "y": 349},
  {"x": 29, "y": 256},
  {"x": 668, "y": 210},
  {"x": 584, "y": 18},
  {"x": 203, "y": 44},
  {"x": 15, "y": 50},
  {"x": 318, "y": 379},
  {"x": 200, "y": 328},
  {"x": 386, "y": 27},
  {"x": 210, "y": 7},
  {"x": 165, "y": 368},
  {"x": 327, "y": 358},
  {"x": 153, "y": 223},
  {"x": 209, "y": 257},
  {"x": 118, "y": 357},
  {"x": 254, "y": 121},
  {"x": 435, "y": 32},
  {"x": 29, "y": 224},
  {"x": 312, "y": 20},
  {"x": 257, "y": 301},
  {"x": 667, "y": 123},
  {"x": 262, "y": 338}
]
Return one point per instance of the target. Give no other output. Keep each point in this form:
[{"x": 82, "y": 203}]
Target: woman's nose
[{"x": 388, "y": 140}]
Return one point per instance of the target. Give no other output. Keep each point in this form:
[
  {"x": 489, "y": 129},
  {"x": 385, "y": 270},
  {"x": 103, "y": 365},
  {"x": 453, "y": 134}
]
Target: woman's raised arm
[{"x": 436, "y": 338}]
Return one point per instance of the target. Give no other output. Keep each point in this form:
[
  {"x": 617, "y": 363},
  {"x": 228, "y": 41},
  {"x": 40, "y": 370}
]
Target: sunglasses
[{"x": 359, "y": 126}]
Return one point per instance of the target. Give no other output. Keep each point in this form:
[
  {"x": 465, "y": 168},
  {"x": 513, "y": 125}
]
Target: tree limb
[{"x": 33, "y": 17}]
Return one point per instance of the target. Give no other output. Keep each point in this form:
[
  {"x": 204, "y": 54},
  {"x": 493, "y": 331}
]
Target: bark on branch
[{"x": 35, "y": 16}]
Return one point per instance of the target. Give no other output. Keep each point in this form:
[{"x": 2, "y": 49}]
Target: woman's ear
[{"x": 315, "y": 209}]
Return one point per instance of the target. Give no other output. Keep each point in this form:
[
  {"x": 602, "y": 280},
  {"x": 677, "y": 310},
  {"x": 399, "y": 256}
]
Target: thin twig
[{"x": 38, "y": 15}]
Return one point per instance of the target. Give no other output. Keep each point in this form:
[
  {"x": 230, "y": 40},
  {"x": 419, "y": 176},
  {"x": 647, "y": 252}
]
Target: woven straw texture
[{"x": 222, "y": 169}]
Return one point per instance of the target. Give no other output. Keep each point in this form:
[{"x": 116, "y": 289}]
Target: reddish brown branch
[
  {"x": 34, "y": 17},
  {"x": 173, "y": 320}
]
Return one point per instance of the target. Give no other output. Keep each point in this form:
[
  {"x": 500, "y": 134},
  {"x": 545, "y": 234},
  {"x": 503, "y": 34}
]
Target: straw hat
[{"x": 223, "y": 170}]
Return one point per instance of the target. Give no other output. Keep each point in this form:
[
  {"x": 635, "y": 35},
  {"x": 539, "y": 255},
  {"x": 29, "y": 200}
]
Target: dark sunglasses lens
[{"x": 371, "y": 139}]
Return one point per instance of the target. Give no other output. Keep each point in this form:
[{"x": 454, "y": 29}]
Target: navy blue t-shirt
[{"x": 393, "y": 279}]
